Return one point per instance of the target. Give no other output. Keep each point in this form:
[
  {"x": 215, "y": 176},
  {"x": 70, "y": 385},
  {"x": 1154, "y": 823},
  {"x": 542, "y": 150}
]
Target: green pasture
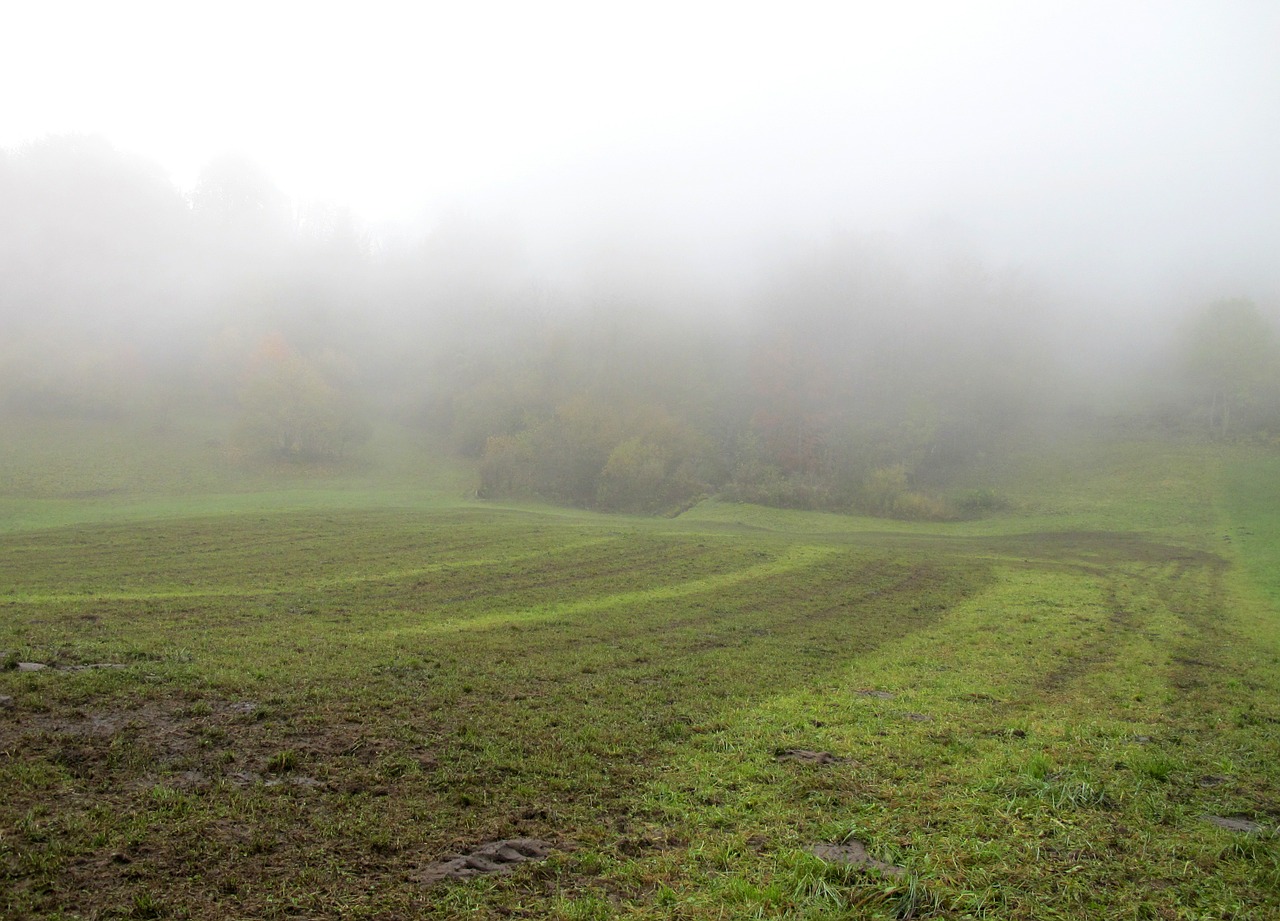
[{"x": 322, "y": 682}]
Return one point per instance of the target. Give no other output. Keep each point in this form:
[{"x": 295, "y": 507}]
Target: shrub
[
  {"x": 916, "y": 506},
  {"x": 289, "y": 410},
  {"x": 979, "y": 502}
]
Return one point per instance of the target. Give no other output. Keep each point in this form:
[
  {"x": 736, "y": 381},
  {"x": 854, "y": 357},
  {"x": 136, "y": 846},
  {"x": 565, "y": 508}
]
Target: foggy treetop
[{"x": 824, "y": 258}]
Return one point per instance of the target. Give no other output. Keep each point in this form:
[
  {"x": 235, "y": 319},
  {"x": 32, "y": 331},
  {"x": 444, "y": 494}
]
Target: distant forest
[{"x": 855, "y": 375}]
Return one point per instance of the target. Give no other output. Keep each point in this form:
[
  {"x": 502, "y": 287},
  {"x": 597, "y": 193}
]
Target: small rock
[
  {"x": 5, "y": 701},
  {"x": 31, "y": 666}
]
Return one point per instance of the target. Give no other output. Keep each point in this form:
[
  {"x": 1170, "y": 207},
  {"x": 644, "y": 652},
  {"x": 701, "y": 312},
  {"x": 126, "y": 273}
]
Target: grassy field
[{"x": 313, "y": 689}]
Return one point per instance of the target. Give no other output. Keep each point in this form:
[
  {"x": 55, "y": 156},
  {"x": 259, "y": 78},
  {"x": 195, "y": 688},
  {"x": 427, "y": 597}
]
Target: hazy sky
[{"x": 1137, "y": 137}]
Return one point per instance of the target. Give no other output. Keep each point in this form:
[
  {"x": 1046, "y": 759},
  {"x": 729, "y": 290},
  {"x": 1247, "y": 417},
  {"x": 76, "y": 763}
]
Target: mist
[{"x": 806, "y": 262}]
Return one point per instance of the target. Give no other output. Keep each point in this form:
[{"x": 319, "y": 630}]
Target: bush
[
  {"x": 881, "y": 489},
  {"x": 774, "y": 489},
  {"x": 581, "y": 455},
  {"x": 979, "y": 502},
  {"x": 916, "y": 506},
  {"x": 886, "y": 493},
  {"x": 634, "y": 478},
  {"x": 288, "y": 410}
]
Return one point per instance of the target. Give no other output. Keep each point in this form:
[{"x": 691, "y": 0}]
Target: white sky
[{"x": 1101, "y": 131}]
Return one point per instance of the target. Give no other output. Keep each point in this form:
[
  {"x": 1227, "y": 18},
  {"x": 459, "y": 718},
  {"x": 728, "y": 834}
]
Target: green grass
[
  {"x": 333, "y": 679},
  {"x": 56, "y": 472}
]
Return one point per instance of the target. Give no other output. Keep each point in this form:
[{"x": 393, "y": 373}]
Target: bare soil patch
[
  {"x": 854, "y": 853},
  {"x": 495, "y": 857},
  {"x": 805, "y": 756},
  {"x": 196, "y": 744},
  {"x": 1234, "y": 823},
  {"x": 52, "y": 667}
]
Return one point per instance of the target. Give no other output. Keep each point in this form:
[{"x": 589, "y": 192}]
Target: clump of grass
[
  {"x": 1154, "y": 765},
  {"x": 1038, "y": 767},
  {"x": 282, "y": 762},
  {"x": 146, "y": 906},
  {"x": 817, "y": 884}
]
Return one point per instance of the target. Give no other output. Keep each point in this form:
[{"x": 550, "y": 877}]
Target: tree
[
  {"x": 794, "y": 394},
  {"x": 292, "y": 410},
  {"x": 1229, "y": 358},
  {"x": 234, "y": 190}
]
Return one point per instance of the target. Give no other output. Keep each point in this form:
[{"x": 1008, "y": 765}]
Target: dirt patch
[
  {"x": 918, "y": 717},
  {"x": 41, "y": 666},
  {"x": 1234, "y": 823},
  {"x": 854, "y": 853},
  {"x": 878, "y": 695},
  {"x": 252, "y": 778},
  {"x": 805, "y": 756},
  {"x": 197, "y": 744},
  {"x": 494, "y": 857}
]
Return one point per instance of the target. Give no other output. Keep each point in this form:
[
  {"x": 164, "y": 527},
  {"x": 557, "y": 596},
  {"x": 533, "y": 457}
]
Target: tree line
[{"x": 853, "y": 376}]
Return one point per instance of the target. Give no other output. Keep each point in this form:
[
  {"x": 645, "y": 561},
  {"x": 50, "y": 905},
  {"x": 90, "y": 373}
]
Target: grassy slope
[
  {"x": 319, "y": 702},
  {"x": 62, "y": 472},
  {"x": 1085, "y": 711}
]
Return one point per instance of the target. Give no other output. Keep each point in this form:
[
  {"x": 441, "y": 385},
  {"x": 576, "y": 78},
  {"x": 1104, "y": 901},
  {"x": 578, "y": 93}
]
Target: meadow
[{"x": 312, "y": 693}]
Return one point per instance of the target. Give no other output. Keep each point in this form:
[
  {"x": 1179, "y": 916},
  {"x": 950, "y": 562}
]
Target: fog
[{"x": 832, "y": 257}]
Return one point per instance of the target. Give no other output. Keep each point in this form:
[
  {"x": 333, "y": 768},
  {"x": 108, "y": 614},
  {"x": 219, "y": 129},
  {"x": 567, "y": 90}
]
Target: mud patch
[
  {"x": 253, "y": 778},
  {"x": 854, "y": 853},
  {"x": 41, "y": 667},
  {"x": 1212, "y": 780},
  {"x": 1234, "y": 823},
  {"x": 805, "y": 756},
  {"x": 494, "y": 857},
  {"x": 878, "y": 695},
  {"x": 197, "y": 744}
]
